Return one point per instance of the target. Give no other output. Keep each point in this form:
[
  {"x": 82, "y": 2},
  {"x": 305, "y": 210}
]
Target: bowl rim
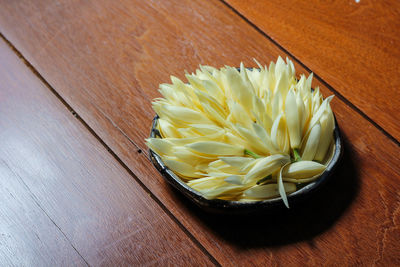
[{"x": 219, "y": 205}]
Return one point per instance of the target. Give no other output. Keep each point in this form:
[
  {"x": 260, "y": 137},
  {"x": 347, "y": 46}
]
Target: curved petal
[
  {"x": 279, "y": 135},
  {"x": 268, "y": 191},
  {"x": 265, "y": 138},
  {"x": 327, "y": 127},
  {"x": 180, "y": 167},
  {"x": 292, "y": 119},
  {"x": 240, "y": 89},
  {"x": 311, "y": 144},
  {"x": 234, "y": 179},
  {"x": 303, "y": 169},
  {"x": 265, "y": 166},
  {"x": 167, "y": 129},
  {"x": 216, "y": 148},
  {"x": 160, "y": 146},
  {"x": 281, "y": 187},
  {"x": 238, "y": 162}
]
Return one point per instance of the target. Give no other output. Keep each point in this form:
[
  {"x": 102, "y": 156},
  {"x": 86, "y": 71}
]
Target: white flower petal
[
  {"x": 265, "y": 138},
  {"x": 238, "y": 162},
  {"x": 282, "y": 77},
  {"x": 268, "y": 191},
  {"x": 160, "y": 146},
  {"x": 216, "y": 148},
  {"x": 265, "y": 166},
  {"x": 292, "y": 119},
  {"x": 317, "y": 116},
  {"x": 234, "y": 179},
  {"x": 303, "y": 169},
  {"x": 302, "y": 180},
  {"x": 218, "y": 166},
  {"x": 206, "y": 129},
  {"x": 221, "y": 190},
  {"x": 254, "y": 142},
  {"x": 185, "y": 155},
  {"x": 234, "y": 139},
  {"x": 214, "y": 90},
  {"x": 167, "y": 129},
  {"x": 240, "y": 89},
  {"x": 206, "y": 183},
  {"x": 311, "y": 143},
  {"x": 281, "y": 188},
  {"x": 180, "y": 167},
  {"x": 184, "y": 141},
  {"x": 301, "y": 112},
  {"x": 327, "y": 127},
  {"x": 183, "y": 114},
  {"x": 238, "y": 114},
  {"x": 279, "y": 134}
]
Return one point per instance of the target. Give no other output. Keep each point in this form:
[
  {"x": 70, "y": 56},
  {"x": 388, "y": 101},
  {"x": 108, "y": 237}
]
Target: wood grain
[
  {"x": 106, "y": 60},
  {"x": 62, "y": 191},
  {"x": 354, "y": 46},
  {"x": 28, "y": 237}
]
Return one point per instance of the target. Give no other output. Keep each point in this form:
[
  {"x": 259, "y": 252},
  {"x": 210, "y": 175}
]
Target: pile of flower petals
[{"x": 244, "y": 135}]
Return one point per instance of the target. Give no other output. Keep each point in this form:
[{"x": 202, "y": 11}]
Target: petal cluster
[{"x": 244, "y": 134}]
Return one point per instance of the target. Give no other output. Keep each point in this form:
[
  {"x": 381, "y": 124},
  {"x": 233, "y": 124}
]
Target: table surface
[{"x": 76, "y": 83}]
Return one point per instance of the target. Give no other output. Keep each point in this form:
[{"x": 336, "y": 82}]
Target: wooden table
[{"x": 76, "y": 83}]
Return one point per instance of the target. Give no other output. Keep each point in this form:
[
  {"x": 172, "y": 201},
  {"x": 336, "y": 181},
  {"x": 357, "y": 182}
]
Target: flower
[{"x": 244, "y": 135}]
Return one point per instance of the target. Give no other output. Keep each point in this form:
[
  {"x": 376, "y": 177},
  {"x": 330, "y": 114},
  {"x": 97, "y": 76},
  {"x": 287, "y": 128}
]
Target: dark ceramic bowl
[{"x": 236, "y": 207}]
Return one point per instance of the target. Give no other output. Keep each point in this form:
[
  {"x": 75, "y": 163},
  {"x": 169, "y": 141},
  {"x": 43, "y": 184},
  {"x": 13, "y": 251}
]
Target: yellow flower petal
[
  {"x": 216, "y": 148},
  {"x": 185, "y": 155},
  {"x": 311, "y": 143},
  {"x": 303, "y": 169},
  {"x": 234, "y": 139},
  {"x": 253, "y": 141},
  {"x": 234, "y": 179},
  {"x": 167, "y": 129},
  {"x": 228, "y": 189},
  {"x": 180, "y": 167},
  {"x": 240, "y": 89},
  {"x": 206, "y": 129},
  {"x": 238, "y": 114},
  {"x": 279, "y": 134},
  {"x": 323, "y": 108},
  {"x": 206, "y": 183},
  {"x": 265, "y": 166},
  {"x": 282, "y": 77},
  {"x": 302, "y": 180},
  {"x": 292, "y": 119},
  {"x": 237, "y": 162},
  {"x": 265, "y": 138},
  {"x": 214, "y": 90},
  {"x": 160, "y": 146},
  {"x": 281, "y": 187},
  {"x": 268, "y": 191},
  {"x": 218, "y": 166},
  {"x": 184, "y": 114},
  {"x": 327, "y": 127}
]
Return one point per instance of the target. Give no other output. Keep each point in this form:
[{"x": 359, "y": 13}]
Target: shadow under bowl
[{"x": 236, "y": 207}]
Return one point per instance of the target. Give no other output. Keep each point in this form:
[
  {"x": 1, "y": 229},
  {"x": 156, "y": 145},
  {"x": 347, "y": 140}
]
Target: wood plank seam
[
  {"x": 226, "y": 251},
  {"x": 27, "y": 63},
  {"x": 143, "y": 186},
  {"x": 316, "y": 76},
  {"x": 34, "y": 199}
]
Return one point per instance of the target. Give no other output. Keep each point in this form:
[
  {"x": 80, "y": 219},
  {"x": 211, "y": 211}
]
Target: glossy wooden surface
[
  {"x": 353, "y": 45},
  {"x": 65, "y": 199},
  {"x": 106, "y": 59}
]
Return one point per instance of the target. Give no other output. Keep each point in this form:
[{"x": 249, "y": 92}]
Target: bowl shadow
[{"x": 304, "y": 220}]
